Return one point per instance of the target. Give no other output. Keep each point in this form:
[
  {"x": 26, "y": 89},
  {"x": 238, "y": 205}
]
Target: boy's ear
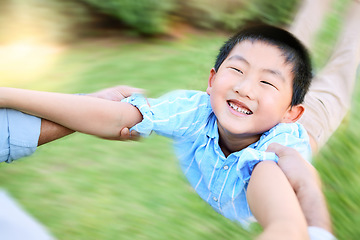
[
  {"x": 293, "y": 114},
  {"x": 211, "y": 80}
]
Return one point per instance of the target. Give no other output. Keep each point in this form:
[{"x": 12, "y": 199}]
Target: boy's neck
[{"x": 232, "y": 143}]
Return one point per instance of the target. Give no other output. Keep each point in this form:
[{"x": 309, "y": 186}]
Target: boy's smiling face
[{"x": 251, "y": 91}]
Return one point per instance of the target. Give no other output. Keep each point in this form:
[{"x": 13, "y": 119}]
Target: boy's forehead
[
  {"x": 262, "y": 55},
  {"x": 247, "y": 46}
]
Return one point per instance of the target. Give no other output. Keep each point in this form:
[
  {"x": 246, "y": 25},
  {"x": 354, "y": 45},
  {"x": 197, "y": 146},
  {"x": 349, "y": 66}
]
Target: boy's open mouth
[{"x": 240, "y": 108}]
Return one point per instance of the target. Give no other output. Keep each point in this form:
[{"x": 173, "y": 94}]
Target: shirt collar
[
  {"x": 213, "y": 127},
  {"x": 214, "y": 133}
]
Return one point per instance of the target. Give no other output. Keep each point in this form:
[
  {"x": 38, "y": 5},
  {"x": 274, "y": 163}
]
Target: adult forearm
[
  {"x": 80, "y": 113},
  {"x": 51, "y": 131},
  {"x": 313, "y": 204}
]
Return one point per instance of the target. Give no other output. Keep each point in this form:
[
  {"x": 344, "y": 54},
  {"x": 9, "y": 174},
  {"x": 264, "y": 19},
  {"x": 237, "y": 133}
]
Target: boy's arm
[
  {"x": 306, "y": 183},
  {"x": 51, "y": 131},
  {"x": 274, "y": 204},
  {"x": 85, "y": 114}
]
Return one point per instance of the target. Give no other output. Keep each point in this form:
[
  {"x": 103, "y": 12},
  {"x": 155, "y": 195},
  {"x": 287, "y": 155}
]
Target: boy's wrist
[{"x": 3, "y": 103}]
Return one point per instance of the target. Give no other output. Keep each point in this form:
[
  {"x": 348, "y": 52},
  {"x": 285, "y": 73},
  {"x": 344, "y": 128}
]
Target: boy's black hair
[{"x": 293, "y": 50}]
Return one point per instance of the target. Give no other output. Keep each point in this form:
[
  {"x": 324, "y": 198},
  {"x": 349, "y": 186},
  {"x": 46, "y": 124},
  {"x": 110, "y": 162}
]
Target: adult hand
[
  {"x": 299, "y": 172},
  {"x": 116, "y": 93},
  {"x": 125, "y": 134},
  {"x": 306, "y": 183}
]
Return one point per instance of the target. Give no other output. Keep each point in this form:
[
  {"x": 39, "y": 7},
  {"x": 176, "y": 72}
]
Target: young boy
[{"x": 253, "y": 98}]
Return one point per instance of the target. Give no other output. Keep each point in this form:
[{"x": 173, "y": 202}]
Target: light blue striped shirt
[
  {"x": 19, "y": 134},
  {"x": 187, "y": 117}
]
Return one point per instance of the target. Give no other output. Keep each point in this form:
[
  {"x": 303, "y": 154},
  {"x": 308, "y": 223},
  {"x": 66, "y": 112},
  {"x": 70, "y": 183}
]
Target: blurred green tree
[
  {"x": 153, "y": 16},
  {"x": 144, "y": 16},
  {"x": 68, "y": 19},
  {"x": 231, "y": 14}
]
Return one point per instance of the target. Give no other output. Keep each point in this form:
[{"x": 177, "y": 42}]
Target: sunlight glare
[{"x": 24, "y": 60}]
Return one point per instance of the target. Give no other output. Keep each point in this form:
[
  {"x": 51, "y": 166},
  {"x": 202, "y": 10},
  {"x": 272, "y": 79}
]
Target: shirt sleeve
[
  {"x": 173, "y": 115},
  {"x": 19, "y": 134},
  {"x": 316, "y": 233},
  {"x": 288, "y": 134}
]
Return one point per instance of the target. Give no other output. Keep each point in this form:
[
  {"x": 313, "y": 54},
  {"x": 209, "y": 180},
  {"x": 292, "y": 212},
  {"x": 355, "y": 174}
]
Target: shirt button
[
  {"x": 226, "y": 167},
  {"x": 215, "y": 199}
]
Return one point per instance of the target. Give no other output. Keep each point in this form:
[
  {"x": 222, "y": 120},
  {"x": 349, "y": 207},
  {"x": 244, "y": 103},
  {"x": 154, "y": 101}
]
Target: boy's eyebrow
[
  {"x": 271, "y": 71},
  {"x": 276, "y": 73},
  {"x": 239, "y": 58}
]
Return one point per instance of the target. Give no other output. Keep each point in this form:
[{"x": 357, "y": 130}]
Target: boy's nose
[{"x": 245, "y": 88}]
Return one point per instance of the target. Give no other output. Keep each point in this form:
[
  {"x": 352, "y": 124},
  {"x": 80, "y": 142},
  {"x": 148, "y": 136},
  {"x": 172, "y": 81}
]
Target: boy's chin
[{"x": 242, "y": 133}]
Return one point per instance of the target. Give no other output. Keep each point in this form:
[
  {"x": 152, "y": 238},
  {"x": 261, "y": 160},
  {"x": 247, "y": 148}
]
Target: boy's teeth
[{"x": 239, "y": 109}]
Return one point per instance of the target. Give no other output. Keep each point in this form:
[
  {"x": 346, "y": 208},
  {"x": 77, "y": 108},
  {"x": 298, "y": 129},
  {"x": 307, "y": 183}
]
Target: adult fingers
[
  {"x": 279, "y": 149},
  {"x": 125, "y": 134},
  {"x": 127, "y": 91}
]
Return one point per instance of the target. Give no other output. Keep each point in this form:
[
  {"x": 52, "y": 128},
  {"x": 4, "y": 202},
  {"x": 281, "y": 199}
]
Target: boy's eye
[
  {"x": 238, "y": 70},
  {"x": 265, "y": 82}
]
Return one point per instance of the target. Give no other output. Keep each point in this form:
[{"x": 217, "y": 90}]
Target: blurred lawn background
[{"x": 82, "y": 187}]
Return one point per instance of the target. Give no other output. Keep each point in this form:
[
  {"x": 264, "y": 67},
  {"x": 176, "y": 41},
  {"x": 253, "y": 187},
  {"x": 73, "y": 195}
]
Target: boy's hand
[{"x": 118, "y": 93}]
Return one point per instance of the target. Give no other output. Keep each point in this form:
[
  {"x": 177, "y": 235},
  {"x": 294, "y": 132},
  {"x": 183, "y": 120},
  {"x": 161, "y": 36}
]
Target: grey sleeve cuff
[{"x": 317, "y": 233}]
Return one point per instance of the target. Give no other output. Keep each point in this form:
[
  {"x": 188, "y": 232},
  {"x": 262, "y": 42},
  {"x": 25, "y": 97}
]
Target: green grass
[{"x": 82, "y": 187}]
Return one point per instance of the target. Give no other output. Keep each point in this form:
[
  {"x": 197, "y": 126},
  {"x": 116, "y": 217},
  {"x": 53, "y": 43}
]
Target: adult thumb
[{"x": 276, "y": 148}]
